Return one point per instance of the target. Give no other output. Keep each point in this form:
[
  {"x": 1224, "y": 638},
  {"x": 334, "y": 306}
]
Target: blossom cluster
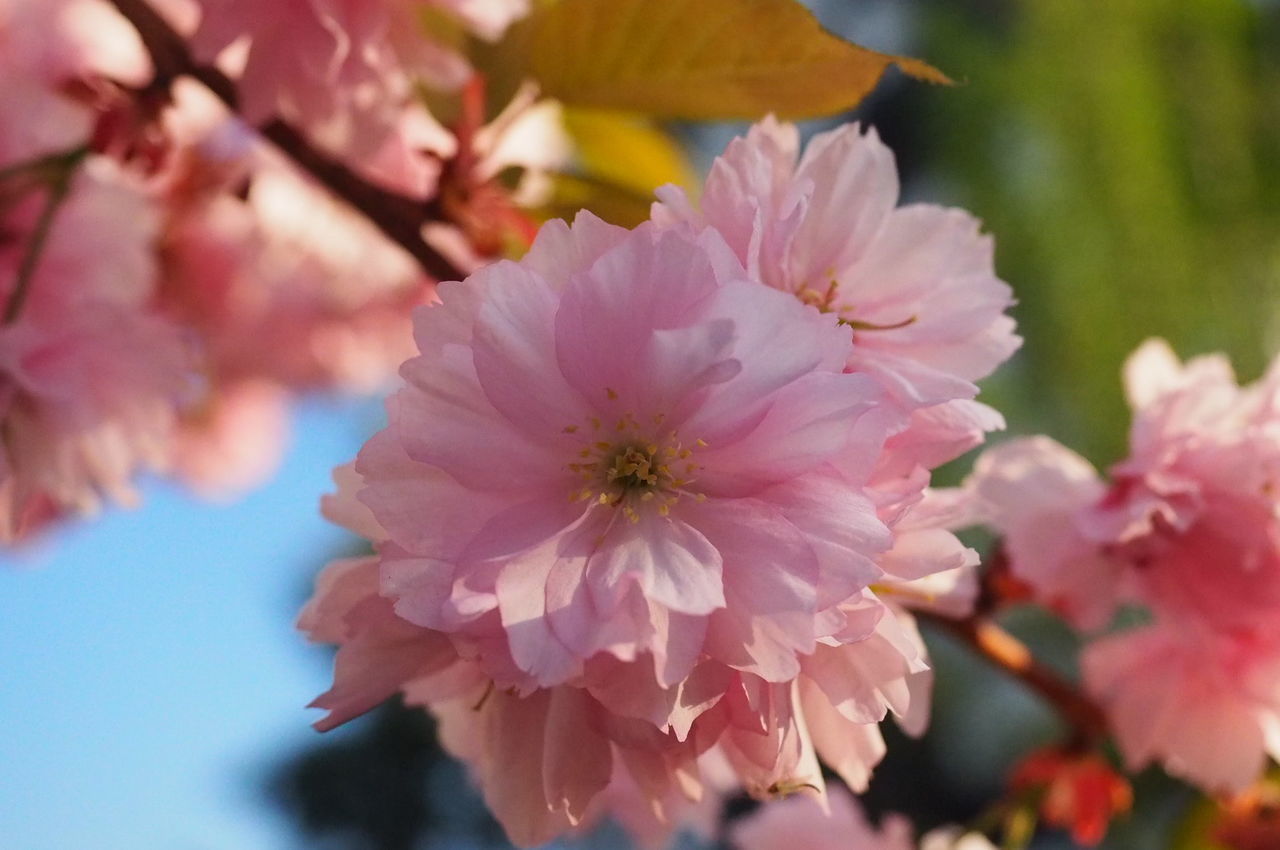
[
  {"x": 651, "y": 520},
  {"x": 1184, "y": 538},
  {"x": 651, "y": 510},
  {"x": 168, "y": 280}
]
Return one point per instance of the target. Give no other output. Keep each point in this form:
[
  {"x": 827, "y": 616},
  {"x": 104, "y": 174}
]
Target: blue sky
[{"x": 151, "y": 670}]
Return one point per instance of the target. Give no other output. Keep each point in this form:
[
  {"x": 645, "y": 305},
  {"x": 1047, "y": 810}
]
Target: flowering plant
[{"x": 656, "y": 518}]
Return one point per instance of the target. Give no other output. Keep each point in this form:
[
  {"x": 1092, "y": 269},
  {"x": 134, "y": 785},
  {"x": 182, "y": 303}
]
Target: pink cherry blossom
[
  {"x": 345, "y": 69},
  {"x": 273, "y": 318},
  {"x": 1189, "y": 527},
  {"x": 283, "y": 289},
  {"x": 90, "y": 379},
  {"x": 1036, "y": 493},
  {"x": 1195, "y": 509},
  {"x": 626, "y": 446},
  {"x": 800, "y": 821},
  {"x": 1203, "y": 704},
  {"x": 1197, "y": 490},
  {"x": 916, "y": 283}
]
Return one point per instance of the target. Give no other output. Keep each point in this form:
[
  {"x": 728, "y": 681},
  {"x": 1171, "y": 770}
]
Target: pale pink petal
[
  {"x": 800, "y": 821},
  {"x": 670, "y": 560},
  {"x": 769, "y": 590},
  {"x": 807, "y": 422},
  {"x": 851, "y": 749}
]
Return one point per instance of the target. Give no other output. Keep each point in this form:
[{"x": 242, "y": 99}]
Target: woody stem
[
  {"x": 988, "y": 639},
  {"x": 398, "y": 217}
]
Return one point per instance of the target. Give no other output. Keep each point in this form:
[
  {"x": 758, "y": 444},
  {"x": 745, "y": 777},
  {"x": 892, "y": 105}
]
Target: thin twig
[
  {"x": 38, "y": 165},
  {"x": 1087, "y": 721},
  {"x": 399, "y": 218},
  {"x": 59, "y": 184}
]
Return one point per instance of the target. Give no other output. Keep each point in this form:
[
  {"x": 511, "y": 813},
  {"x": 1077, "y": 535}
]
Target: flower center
[
  {"x": 627, "y": 466},
  {"x": 825, "y": 301},
  {"x": 638, "y": 468}
]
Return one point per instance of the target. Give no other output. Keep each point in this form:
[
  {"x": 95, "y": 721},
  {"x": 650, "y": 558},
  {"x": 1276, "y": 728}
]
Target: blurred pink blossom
[
  {"x": 90, "y": 378},
  {"x": 799, "y": 821},
  {"x": 802, "y": 821},
  {"x": 1206, "y": 705},
  {"x": 1189, "y": 528},
  {"x": 344, "y": 69},
  {"x": 1198, "y": 489}
]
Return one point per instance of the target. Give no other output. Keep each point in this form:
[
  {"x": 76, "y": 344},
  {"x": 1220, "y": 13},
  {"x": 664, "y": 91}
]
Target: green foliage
[{"x": 1126, "y": 156}]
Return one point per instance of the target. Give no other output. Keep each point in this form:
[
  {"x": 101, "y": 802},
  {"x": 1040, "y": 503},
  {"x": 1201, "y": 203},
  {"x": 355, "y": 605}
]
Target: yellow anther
[
  {"x": 635, "y": 468},
  {"x": 612, "y": 394}
]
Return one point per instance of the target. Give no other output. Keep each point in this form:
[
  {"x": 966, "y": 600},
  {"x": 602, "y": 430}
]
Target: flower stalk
[{"x": 57, "y": 172}]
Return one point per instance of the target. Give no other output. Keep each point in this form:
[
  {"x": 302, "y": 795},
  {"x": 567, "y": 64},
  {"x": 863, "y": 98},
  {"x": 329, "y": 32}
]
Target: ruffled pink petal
[
  {"x": 378, "y": 652},
  {"x": 854, "y": 189},
  {"x": 770, "y": 577},
  {"x": 851, "y": 749},
  {"x": 447, "y": 421},
  {"x": 670, "y": 561},
  {"x": 513, "y": 340},
  {"x": 841, "y": 527},
  {"x": 561, "y": 250},
  {"x": 769, "y": 358},
  {"x": 808, "y": 421},
  {"x": 653, "y": 281}
]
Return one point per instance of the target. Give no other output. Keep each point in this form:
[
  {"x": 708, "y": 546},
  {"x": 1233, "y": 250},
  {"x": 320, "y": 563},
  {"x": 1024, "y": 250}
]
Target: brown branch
[
  {"x": 59, "y": 172},
  {"x": 398, "y": 217},
  {"x": 1087, "y": 720}
]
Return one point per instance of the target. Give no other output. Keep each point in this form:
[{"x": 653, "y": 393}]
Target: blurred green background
[{"x": 1126, "y": 154}]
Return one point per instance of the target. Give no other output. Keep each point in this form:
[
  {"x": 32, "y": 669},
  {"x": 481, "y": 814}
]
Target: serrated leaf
[{"x": 703, "y": 59}]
